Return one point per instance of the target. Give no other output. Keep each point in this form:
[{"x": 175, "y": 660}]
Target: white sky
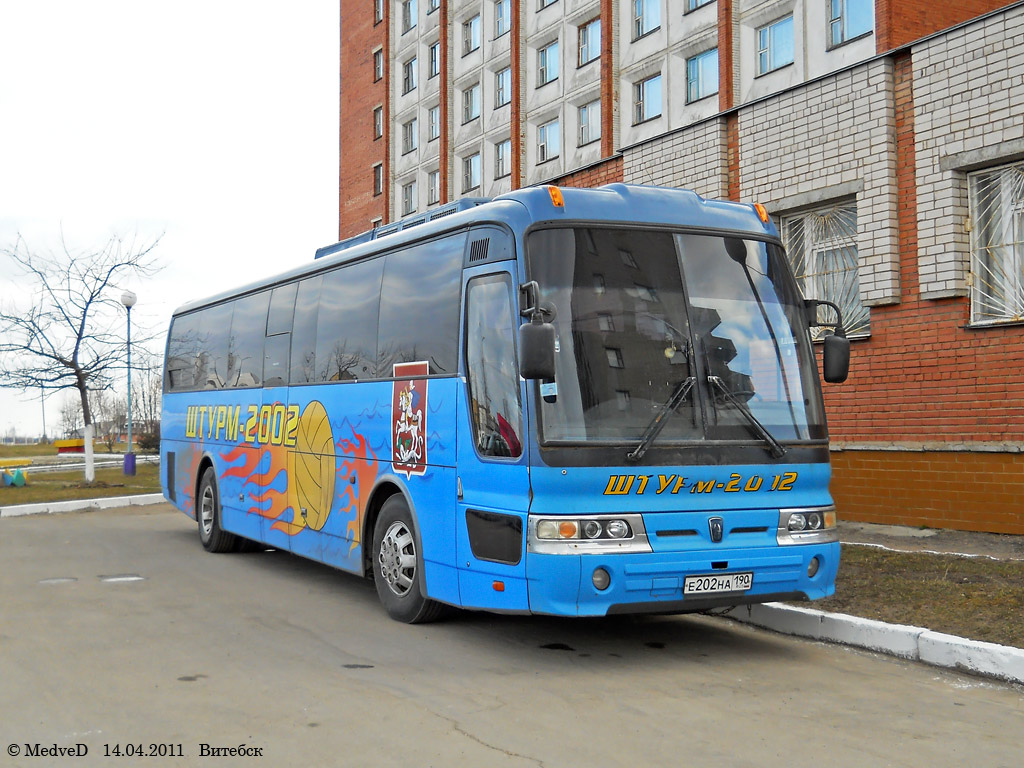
[{"x": 214, "y": 122}]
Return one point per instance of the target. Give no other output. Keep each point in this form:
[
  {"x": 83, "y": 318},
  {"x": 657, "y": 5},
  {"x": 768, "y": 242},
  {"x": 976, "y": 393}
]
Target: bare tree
[
  {"x": 70, "y": 416},
  {"x": 71, "y": 334}
]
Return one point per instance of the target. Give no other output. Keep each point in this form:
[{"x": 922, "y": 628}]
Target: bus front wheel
[
  {"x": 397, "y": 566},
  {"x": 208, "y": 516}
]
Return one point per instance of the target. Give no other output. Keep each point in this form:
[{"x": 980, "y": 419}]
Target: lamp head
[{"x": 128, "y": 299}]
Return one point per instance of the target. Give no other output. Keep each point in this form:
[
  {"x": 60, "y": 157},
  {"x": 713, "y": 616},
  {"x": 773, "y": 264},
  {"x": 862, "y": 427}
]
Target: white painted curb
[
  {"x": 78, "y": 505},
  {"x": 915, "y": 643}
]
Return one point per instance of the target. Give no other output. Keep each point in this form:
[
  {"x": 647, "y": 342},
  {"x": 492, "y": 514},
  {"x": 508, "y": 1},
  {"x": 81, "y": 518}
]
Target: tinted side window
[
  {"x": 282, "y": 303},
  {"x": 245, "y": 346},
  {"x": 303, "y": 355},
  {"x": 182, "y": 346},
  {"x": 211, "y": 362},
  {"x": 419, "y": 306},
  {"x": 278, "y": 341},
  {"x": 491, "y": 367},
  {"x": 346, "y": 329}
]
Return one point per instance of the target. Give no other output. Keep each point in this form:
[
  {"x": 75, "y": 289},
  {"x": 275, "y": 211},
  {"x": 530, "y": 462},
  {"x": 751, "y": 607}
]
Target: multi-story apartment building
[{"x": 887, "y": 139}]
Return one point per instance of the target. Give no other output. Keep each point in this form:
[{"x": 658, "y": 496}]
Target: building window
[
  {"x": 471, "y": 103},
  {"x": 590, "y": 41},
  {"x": 471, "y": 172},
  {"x": 646, "y": 17},
  {"x": 434, "y": 60},
  {"x": 503, "y": 159},
  {"x": 408, "y": 15},
  {"x": 378, "y": 179},
  {"x": 503, "y": 87},
  {"x": 693, "y": 5},
  {"x": 997, "y": 244},
  {"x": 378, "y": 65},
  {"x": 614, "y": 357},
  {"x": 378, "y": 122},
  {"x": 409, "y": 75},
  {"x": 378, "y": 11},
  {"x": 433, "y": 187},
  {"x": 471, "y": 35},
  {"x": 547, "y": 64},
  {"x": 849, "y": 19},
  {"x": 549, "y": 141},
  {"x": 647, "y": 99},
  {"x": 409, "y": 136},
  {"x": 702, "y": 75},
  {"x": 434, "y": 123},
  {"x": 433, "y": 5},
  {"x": 822, "y": 246},
  {"x": 590, "y": 122},
  {"x": 502, "y": 18},
  {"x": 775, "y": 45},
  {"x": 546, "y": 3},
  {"x": 409, "y": 198}
]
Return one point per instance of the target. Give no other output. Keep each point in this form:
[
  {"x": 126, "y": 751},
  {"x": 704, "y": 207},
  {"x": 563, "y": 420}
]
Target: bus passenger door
[{"x": 492, "y": 465}]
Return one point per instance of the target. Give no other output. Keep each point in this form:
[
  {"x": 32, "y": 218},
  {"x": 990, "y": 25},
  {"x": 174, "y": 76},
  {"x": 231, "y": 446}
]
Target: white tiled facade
[{"x": 967, "y": 118}]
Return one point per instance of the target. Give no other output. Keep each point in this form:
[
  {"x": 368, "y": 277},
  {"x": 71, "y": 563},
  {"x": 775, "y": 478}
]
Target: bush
[{"x": 149, "y": 442}]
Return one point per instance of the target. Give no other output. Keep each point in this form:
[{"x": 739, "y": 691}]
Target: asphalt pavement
[{"x": 908, "y": 642}]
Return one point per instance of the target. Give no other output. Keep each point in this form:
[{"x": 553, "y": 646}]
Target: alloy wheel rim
[{"x": 396, "y": 559}]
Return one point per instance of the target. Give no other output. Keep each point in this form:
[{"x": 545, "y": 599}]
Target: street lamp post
[{"x": 128, "y": 299}]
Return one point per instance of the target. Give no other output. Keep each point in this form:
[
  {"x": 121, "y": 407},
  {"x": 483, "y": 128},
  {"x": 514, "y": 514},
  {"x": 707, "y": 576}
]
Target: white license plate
[{"x": 718, "y": 582}]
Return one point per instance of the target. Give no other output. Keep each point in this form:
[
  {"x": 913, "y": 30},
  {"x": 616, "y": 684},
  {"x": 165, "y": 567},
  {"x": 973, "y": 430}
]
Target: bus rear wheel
[
  {"x": 398, "y": 565},
  {"x": 208, "y": 516}
]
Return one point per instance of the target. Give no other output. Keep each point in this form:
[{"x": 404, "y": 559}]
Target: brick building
[{"x": 887, "y": 138}]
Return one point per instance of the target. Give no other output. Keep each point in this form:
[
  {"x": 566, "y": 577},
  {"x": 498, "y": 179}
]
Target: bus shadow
[{"x": 530, "y": 641}]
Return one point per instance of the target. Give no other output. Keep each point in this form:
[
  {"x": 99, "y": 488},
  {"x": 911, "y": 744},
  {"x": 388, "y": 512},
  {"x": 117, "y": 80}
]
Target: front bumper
[{"x": 562, "y": 584}]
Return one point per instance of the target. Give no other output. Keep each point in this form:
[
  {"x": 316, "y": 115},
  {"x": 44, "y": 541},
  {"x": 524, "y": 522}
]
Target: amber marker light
[
  {"x": 762, "y": 212},
  {"x": 499, "y": 586},
  {"x": 556, "y": 197}
]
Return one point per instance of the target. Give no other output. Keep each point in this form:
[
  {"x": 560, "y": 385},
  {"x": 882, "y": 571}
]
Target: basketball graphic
[{"x": 313, "y": 468}]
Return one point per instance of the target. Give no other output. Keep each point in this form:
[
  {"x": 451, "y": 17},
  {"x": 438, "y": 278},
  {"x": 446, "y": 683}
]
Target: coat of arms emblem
[{"x": 409, "y": 419}]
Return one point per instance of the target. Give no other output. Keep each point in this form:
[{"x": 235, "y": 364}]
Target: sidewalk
[
  {"x": 908, "y": 642},
  {"x": 913, "y": 643}
]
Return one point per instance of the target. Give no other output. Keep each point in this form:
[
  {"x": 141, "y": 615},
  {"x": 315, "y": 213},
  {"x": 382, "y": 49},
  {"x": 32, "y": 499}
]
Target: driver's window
[{"x": 494, "y": 404}]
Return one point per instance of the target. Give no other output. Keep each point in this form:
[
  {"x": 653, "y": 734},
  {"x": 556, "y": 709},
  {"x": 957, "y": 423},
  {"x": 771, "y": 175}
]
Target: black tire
[
  {"x": 398, "y": 565},
  {"x": 208, "y": 516}
]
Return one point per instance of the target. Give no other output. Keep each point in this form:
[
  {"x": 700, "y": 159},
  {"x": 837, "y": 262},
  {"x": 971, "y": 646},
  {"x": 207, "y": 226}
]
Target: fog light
[
  {"x": 813, "y": 566},
  {"x": 601, "y": 579},
  {"x": 617, "y": 529},
  {"x": 591, "y": 529}
]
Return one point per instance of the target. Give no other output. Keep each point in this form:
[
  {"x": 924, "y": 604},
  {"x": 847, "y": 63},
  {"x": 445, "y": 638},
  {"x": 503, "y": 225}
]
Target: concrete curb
[
  {"x": 78, "y": 505},
  {"x": 915, "y": 643}
]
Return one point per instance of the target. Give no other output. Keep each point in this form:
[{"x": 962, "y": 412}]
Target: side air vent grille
[
  {"x": 442, "y": 212},
  {"x": 478, "y": 250}
]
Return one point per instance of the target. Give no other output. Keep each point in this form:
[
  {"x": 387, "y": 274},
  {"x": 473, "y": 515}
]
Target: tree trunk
[{"x": 90, "y": 467}]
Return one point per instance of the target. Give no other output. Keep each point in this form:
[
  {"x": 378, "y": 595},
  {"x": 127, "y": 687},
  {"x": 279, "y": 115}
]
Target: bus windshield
[{"x": 710, "y": 328}]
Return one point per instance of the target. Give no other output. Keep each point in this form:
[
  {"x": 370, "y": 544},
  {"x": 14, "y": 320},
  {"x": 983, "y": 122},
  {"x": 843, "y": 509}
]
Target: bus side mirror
[
  {"x": 537, "y": 350},
  {"x": 836, "y": 355},
  {"x": 836, "y": 359}
]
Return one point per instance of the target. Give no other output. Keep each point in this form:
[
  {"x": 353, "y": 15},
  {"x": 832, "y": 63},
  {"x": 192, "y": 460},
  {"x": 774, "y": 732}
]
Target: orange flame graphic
[
  {"x": 263, "y": 482},
  {"x": 359, "y": 469}
]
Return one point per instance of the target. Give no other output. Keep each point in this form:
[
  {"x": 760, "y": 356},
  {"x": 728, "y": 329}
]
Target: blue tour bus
[{"x": 561, "y": 401}]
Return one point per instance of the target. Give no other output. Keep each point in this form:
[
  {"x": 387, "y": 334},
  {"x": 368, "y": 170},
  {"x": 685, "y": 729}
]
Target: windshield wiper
[
  {"x": 775, "y": 448},
  {"x": 661, "y": 418}
]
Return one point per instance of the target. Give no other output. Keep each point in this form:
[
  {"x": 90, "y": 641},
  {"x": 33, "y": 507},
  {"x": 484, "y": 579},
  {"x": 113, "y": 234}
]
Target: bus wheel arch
[
  {"x": 394, "y": 558},
  {"x": 208, "y": 512}
]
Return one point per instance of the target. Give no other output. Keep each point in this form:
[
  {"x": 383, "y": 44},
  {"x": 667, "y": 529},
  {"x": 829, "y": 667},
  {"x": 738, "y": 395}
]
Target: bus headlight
[
  {"x": 814, "y": 525},
  {"x": 594, "y": 533}
]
